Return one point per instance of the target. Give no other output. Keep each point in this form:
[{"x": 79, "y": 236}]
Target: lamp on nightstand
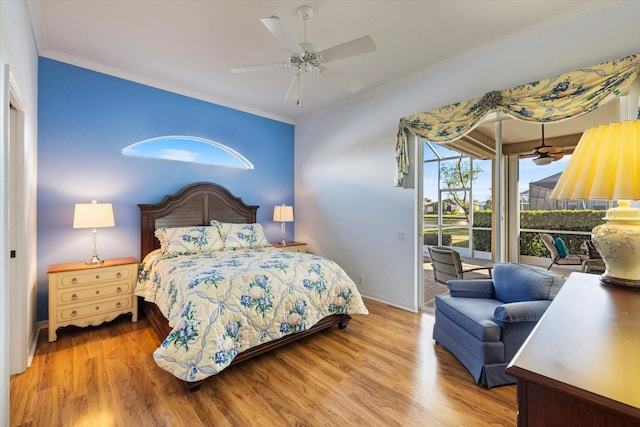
[
  {"x": 283, "y": 214},
  {"x": 605, "y": 165},
  {"x": 93, "y": 215}
]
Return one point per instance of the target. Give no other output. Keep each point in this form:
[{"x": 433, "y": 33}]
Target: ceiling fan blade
[
  {"x": 280, "y": 32},
  {"x": 260, "y": 67},
  {"x": 346, "y": 50},
  {"x": 560, "y": 154},
  {"x": 297, "y": 82},
  {"x": 549, "y": 149},
  {"x": 347, "y": 82}
]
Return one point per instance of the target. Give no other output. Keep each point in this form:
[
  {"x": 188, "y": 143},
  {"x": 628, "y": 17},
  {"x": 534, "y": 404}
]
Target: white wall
[
  {"x": 17, "y": 49},
  {"x": 346, "y": 206}
]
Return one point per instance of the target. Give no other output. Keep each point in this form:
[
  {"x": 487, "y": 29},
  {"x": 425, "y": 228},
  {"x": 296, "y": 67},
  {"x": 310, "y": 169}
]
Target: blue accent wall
[{"x": 86, "y": 118}]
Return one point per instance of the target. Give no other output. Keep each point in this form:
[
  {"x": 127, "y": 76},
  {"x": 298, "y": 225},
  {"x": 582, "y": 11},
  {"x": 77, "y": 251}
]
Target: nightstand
[
  {"x": 81, "y": 294},
  {"x": 291, "y": 246}
]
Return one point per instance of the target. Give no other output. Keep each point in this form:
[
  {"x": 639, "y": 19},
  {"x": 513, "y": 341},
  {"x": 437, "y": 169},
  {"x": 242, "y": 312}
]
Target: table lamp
[
  {"x": 283, "y": 214},
  {"x": 606, "y": 165},
  {"x": 93, "y": 215}
]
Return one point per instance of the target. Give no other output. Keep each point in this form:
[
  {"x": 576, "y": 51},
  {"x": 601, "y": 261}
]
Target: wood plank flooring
[{"x": 383, "y": 370}]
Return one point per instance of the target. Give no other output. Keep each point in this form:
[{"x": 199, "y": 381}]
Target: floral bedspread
[{"x": 222, "y": 303}]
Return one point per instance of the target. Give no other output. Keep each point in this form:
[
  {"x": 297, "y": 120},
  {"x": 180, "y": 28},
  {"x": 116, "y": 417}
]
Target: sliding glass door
[{"x": 456, "y": 201}]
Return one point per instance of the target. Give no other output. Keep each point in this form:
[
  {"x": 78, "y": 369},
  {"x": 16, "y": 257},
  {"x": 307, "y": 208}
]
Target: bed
[{"x": 214, "y": 305}]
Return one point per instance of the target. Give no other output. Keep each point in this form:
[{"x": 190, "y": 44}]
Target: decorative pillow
[
  {"x": 241, "y": 236},
  {"x": 189, "y": 240},
  {"x": 561, "y": 247}
]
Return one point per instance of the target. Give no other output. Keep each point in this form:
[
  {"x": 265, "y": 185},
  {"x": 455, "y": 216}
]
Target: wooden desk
[{"x": 581, "y": 364}]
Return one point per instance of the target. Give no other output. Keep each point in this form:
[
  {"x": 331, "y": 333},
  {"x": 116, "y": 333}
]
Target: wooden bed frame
[{"x": 195, "y": 205}]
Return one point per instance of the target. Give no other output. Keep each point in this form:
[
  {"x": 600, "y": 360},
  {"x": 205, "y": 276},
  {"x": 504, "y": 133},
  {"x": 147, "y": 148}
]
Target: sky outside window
[{"x": 529, "y": 172}]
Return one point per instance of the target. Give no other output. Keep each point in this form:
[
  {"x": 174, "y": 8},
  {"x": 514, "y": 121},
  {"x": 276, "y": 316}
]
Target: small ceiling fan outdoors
[
  {"x": 545, "y": 154},
  {"x": 306, "y": 57}
]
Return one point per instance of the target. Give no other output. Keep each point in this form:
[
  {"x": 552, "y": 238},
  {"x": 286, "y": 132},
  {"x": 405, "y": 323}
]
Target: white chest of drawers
[{"x": 83, "y": 295}]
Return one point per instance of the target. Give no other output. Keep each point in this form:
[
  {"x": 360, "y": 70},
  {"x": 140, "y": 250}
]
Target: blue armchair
[{"x": 483, "y": 322}]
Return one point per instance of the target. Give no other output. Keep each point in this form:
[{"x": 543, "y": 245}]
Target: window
[
  {"x": 572, "y": 220},
  {"x": 188, "y": 149}
]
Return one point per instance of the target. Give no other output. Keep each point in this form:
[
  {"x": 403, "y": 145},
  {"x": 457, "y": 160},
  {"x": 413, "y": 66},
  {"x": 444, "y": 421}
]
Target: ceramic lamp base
[
  {"x": 618, "y": 241},
  {"x": 615, "y": 281}
]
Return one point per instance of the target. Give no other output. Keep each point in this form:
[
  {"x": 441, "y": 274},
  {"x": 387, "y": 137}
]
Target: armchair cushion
[
  {"x": 527, "y": 311},
  {"x": 519, "y": 282},
  {"x": 474, "y": 315},
  {"x": 473, "y": 288}
]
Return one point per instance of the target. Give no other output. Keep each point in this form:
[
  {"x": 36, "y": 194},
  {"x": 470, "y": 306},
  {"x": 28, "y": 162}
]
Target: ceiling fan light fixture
[
  {"x": 306, "y": 57},
  {"x": 543, "y": 160},
  {"x": 546, "y": 154}
]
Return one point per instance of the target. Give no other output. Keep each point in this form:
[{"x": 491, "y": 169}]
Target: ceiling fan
[
  {"x": 545, "y": 154},
  {"x": 306, "y": 57}
]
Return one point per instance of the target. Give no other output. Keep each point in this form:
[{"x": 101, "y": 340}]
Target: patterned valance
[{"x": 564, "y": 96}]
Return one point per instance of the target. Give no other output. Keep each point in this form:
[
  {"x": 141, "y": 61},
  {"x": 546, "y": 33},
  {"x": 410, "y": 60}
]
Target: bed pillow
[
  {"x": 561, "y": 247},
  {"x": 241, "y": 236},
  {"x": 189, "y": 240}
]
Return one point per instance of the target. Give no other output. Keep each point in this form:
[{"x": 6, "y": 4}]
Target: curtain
[{"x": 560, "y": 97}]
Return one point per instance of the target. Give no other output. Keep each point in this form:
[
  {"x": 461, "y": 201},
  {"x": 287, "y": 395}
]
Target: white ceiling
[{"x": 189, "y": 46}]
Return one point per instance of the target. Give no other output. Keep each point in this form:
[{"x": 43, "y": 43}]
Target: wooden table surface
[{"x": 587, "y": 345}]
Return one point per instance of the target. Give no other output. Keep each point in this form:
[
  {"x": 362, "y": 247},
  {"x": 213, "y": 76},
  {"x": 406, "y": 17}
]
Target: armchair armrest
[
  {"x": 523, "y": 311},
  {"x": 473, "y": 288}
]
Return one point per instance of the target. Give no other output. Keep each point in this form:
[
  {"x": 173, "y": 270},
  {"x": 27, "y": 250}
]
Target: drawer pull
[
  {"x": 74, "y": 313},
  {"x": 74, "y": 297},
  {"x": 118, "y": 305},
  {"x": 74, "y": 280},
  {"x": 119, "y": 289},
  {"x": 97, "y": 292},
  {"x": 118, "y": 274},
  {"x": 97, "y": 276},
  {"x": 97, "y": 307}
]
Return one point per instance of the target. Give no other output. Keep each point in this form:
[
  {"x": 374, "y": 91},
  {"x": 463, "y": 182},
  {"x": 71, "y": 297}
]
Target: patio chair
[
  {"x": 447, "y": 265},
  {"x": 556, "y": 259},
  {"x": 595, "y": 263}
]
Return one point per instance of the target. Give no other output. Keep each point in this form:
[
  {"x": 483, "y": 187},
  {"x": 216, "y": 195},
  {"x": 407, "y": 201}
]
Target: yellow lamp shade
[{"x": 604, "y": 166}]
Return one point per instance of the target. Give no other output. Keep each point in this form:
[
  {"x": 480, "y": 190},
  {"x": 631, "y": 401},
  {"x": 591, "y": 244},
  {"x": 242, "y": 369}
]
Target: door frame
[{"x": 20, "y": 308}]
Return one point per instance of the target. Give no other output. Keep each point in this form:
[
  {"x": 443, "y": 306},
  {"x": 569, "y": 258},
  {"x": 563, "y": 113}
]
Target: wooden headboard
[{"x": 196, "y": 204}]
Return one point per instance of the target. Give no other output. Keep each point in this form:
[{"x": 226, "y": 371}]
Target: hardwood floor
[{"x": 383, "y": 370}]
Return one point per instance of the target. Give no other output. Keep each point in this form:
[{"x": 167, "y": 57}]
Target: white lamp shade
[
  {"x": 604, "y": 166},
  {"x": 93, "y": 215},
  {"x": 283, "y": 213}
]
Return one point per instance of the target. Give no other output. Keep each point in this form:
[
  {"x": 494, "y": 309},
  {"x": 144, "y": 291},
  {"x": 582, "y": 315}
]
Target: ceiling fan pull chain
[{"x": 298, "y": 83}]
